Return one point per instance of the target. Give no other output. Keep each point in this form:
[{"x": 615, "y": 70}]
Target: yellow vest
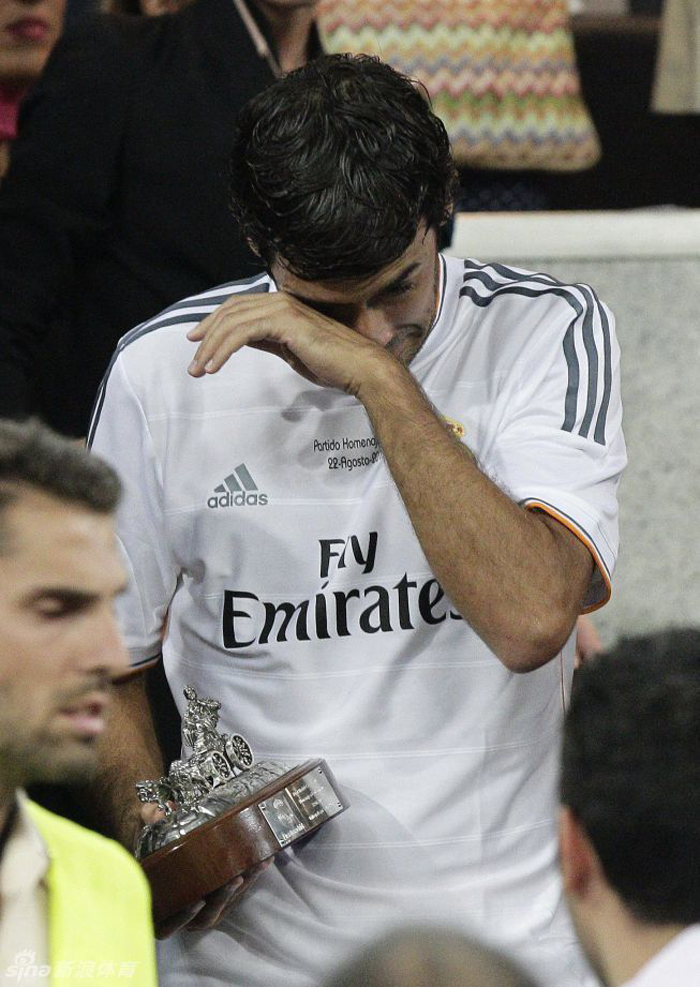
[{"x": 100, "y": 926}]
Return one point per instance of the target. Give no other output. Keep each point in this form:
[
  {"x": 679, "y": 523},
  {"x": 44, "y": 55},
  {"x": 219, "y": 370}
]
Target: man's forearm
[
  {"x": 130, "y": 753},
  {"x": 517, "y": 578}
]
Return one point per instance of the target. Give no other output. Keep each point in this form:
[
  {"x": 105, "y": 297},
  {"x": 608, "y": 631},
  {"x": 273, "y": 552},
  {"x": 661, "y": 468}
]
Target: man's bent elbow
[{"x": 537, "y": 644}]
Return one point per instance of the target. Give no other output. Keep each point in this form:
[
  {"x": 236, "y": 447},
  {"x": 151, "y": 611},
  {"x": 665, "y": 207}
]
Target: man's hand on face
[
  {"x": 205, "y": 914},
  {"x": 317, "y": 347}
]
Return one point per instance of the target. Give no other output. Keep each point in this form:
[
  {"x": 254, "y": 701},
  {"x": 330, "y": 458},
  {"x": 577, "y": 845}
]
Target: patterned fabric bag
[{"x": 501, "y": 73}]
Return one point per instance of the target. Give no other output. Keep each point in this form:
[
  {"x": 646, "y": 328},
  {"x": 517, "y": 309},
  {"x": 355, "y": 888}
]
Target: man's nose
[
  {"x": 103, "y": 647},
  {"x": 372, "y": 324}
]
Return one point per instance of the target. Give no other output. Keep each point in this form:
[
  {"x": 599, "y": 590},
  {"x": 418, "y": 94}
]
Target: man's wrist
[
  {"x": 128, "y": 826},
  {"x": 380, "y": 377}
]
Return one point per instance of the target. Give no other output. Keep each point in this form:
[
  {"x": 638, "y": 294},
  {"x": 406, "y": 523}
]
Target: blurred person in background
[
  {"x": 70, "y": 900},
  {"x": 677, "y": 76},
  {"x": 422, "y": 956},
  {"x": 28, "y": 31},
  {"x": 115, "y": 204},
  {"x": 630, "y": 822},
  {"x": 588, "y": 642}
]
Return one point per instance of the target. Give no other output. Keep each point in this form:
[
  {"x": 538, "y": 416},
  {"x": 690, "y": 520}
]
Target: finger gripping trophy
[{"x": 223, "y": 814}]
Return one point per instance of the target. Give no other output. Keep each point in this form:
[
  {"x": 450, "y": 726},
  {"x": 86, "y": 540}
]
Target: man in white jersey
[
  {"x": 630, "y": 821},
  {"x": 362, "y": 546}
]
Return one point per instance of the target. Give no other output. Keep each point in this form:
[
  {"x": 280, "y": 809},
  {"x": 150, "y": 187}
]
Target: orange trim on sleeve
[{"x": 536, "y": 505}]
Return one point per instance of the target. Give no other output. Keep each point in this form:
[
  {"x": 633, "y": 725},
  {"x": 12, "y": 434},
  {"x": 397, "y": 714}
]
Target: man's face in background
[
  {"x": 59, "y": 643},
  {"x": 28, "y": 31}
]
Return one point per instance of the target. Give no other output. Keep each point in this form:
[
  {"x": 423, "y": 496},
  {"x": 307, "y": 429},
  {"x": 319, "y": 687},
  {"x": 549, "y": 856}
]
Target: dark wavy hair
[
  {"x": 34, "y": 456},
  {"x": 335, "y": 166},
  {"x": 631, "y": 771}
]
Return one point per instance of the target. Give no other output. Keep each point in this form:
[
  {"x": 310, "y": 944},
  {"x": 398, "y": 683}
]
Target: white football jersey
[{"x": 260, "y": 513}]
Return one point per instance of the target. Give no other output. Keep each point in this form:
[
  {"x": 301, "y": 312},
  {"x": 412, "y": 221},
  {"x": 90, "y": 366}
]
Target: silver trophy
[{"x": 223, "y": 814}]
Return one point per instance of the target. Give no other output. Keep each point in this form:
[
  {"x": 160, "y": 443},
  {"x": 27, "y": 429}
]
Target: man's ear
[
  {"x": 579, "y": 862},
  {"x": 252, "y": 245}
]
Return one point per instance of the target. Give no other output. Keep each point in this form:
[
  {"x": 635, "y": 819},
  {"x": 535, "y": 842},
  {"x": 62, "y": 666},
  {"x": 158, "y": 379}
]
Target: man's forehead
[
  {"x": 73, "y": 555},
  {"x": 422, "y": 249},
  {"x": 50, "y": 527},
  {"x": 33, "y": 510}
]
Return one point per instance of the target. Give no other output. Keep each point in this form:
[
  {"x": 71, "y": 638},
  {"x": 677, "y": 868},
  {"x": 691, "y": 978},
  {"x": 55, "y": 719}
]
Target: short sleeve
[
  {"x": 560, "y": 447},
  {"x": 119, "y": 433}
]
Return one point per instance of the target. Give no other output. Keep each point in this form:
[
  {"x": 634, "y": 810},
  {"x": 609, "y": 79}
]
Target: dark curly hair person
[
  {"x": 294, "y": 170},
  {"x": 630, "y": 826}
]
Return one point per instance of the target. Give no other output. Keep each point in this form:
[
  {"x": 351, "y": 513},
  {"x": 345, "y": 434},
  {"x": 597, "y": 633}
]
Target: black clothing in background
[
  {"x": 649, "y": 159},
  {"x": 77, "y": 11},
  {"x": 115, "y": 203}
]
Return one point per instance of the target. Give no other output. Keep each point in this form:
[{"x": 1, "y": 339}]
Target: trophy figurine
[{"x": 223, "y": 813}]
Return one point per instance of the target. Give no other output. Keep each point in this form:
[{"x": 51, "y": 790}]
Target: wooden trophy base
[{"x": 289, "y": 808}]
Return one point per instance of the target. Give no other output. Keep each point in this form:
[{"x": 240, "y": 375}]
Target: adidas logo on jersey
[{"x": 239, "y": 489}]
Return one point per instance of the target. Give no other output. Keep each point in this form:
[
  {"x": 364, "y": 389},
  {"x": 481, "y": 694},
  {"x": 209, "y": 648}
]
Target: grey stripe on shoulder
[
  {"x": 592, "y": 356},
  {"x": 511, "y": 273},
  {"x": 219, "y": 294},
  {"x": 599, "y": 434},
  {"x": 189, "y": 310},
  {"x": 198, "y": 306},
  {"x": 532, "y": 285}
]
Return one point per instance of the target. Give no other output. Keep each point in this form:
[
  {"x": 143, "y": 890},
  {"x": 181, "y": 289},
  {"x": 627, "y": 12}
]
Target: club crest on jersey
[
  {"x": 239, "y": 489},
  {"x": 457, "y": 428}
]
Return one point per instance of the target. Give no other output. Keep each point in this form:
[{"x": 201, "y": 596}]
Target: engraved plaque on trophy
[{"x": 223, "y": 813}]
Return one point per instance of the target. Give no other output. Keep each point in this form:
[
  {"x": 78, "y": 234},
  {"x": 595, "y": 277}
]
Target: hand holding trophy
[{"x": 223, "y": 814}]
